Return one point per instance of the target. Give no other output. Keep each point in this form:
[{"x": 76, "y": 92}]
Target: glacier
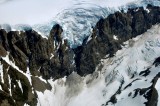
[{"x": 77, "y": 17}]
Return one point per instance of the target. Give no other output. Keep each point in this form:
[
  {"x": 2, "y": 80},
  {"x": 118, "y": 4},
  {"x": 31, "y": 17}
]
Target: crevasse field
[{"x": 77, "y": 17}]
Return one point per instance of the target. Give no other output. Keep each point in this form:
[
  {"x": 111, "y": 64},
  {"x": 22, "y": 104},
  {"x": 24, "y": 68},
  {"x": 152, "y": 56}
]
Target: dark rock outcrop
[
  {"x": 122, "y": 25},
  {"x": 34, "y": 55},
  {"x": 157, "y": 62},
  {"x": 12, "y": 93},
  {"x": 51, "y": 57}
]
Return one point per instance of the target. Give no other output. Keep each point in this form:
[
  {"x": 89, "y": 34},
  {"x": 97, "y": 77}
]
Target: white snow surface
[
  {"x": 20, "y": 85},
  {"x": 157, "y": 86},
  {"x": 97, "y": 88},
  {"x": 1, "y": 73},
  {"x": 115, "y": 37},
  {"x": 77, "y": 17}
]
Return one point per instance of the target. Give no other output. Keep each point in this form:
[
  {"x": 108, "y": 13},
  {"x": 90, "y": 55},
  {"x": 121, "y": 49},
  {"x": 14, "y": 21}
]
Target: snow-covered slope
[
  {"x": 77, "y": 17},
  {"x": 39, "y": 11},
  {"x": 123, "y": 80}
]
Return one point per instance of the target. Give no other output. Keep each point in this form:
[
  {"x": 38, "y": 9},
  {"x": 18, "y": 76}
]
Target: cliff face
[
  {"x": 123, "y": 26},
  {"x": 24, "y": 53},
  {"x": 28, "y": 53},
  {"x": 41, "y": 56}
]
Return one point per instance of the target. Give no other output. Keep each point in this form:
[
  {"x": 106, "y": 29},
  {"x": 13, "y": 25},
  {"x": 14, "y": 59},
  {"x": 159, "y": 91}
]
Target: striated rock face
[
  {"x": 27, "y": 52},
  {"x": 41, "y": 56}
]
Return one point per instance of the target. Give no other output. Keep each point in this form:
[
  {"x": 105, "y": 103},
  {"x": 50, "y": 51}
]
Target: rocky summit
[{"x": 28, "y": 61}]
